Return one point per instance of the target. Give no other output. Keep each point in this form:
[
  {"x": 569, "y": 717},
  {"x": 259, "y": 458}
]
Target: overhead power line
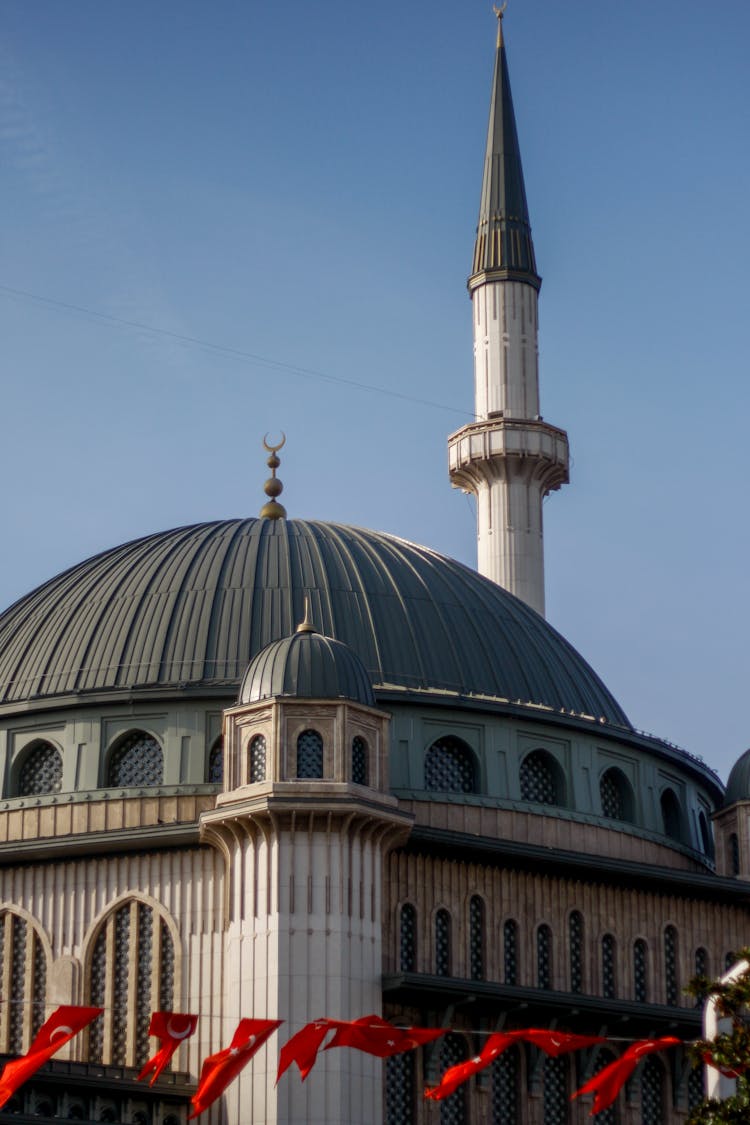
[{"x": 226, "y": 349}]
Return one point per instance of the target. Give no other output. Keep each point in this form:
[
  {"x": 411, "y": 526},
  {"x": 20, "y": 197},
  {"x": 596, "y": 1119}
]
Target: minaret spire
[{"x": 509, "y": 458}]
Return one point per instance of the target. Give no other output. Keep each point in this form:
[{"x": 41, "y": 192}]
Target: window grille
[
  {"x": 359, "y": 761},
  {"x": 544, "y": 957},
  {"x": 136, "y": 761},
  {"x": 640, "y": 971},
  {"x": 476, "y": 938},
  {"x": 510, "y": 952},
  {"x": 41, "y": 772},
  {"x": 609, "y": 978},
  {"x": 506, "y": 1089},
  {"x": 38, "y": 986},
  {"x": 540, "y": 779},
  {"x": 139, "y": 977},
  {"x": 258, "y": 760},
  {"x": 216, "y": 762},
  {"x": 696, "y": 1091},
  {"x": 17, "y": 981},
  {"x": 670, "y": 965},
  {"x": 609, "y": 1116},
  {"x": 408, "y": 938},
  {"x": 442, "y": 943},
  {"x": 670, "y": 814},
  {"x": 575, "y": 939},
  {"x": 399, "y": 1089},
  {"x": 453, "y": 1110},
  {"x": 706, "y": 841},
  {"x": 652, "y": 1093},
  {"x": 23, "y": 965},
  {"x": 701, "y": 962},
  {"x": 613, "y": 791},
  {"x": 449, "y": 767},
  {"x": 309, "y": 754},
  {"x": 555, "y": 1091},
  {"x": 734, "y": 854}
]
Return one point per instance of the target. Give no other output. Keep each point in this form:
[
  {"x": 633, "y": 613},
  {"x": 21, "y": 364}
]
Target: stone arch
[
  {"x": 46, "y": 779},
  {"x": 135, "y": 759}
]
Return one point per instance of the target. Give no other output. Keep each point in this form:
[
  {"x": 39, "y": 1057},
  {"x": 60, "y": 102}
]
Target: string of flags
[{"x": 370, "y": 1034}]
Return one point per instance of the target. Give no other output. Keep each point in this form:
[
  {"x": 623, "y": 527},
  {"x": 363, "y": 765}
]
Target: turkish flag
[
  {"x": 58, "y": 1030},
  {"x": 606, "y": 1085},
  {"x": 378, "y": 1037},
  {"x": 556, "y": 1043},
  {"x": 455, "y": 1075},
  {"x": 220, "y": 1069},
  {"x": 303, "y": 1047},
  {"x": 171, "y": 1029}
]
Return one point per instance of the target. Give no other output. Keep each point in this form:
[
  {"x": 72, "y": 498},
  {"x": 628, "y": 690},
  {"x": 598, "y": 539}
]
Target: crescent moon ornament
[
  {"x": 179, "y": 1034},
  {"x": 274, "y": 448},
  {"x": 63, "y": 1029}
]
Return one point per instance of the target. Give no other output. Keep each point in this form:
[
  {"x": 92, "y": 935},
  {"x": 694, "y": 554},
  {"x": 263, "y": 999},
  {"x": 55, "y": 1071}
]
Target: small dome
[
  {"x": 307, "y": 666},
  {"x": 738, "y": 785}
]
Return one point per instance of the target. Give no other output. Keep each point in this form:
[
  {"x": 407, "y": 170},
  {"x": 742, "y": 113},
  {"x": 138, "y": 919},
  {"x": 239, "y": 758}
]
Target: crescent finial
[{"x": 274, "y": 448}]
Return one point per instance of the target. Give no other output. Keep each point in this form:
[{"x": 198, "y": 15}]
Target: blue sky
[{"x": 299, "y": 182}]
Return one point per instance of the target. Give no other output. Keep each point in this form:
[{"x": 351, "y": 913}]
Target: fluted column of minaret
[{"x": 509, "y": 458}]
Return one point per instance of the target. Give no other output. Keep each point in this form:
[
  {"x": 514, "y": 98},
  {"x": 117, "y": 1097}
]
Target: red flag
[
  {"x": 378, "y": 1037},
  {"x": 171, "y": 1029},
  {"x": 455, "y": 1075},
  {"x": 218, "y": 1070},
  {"x": 58, "y": 1030},
  {"x": 303, "y": 1047},
  {"x": 556, "y": 1043},
  {"x": 606, "y": 1085}
]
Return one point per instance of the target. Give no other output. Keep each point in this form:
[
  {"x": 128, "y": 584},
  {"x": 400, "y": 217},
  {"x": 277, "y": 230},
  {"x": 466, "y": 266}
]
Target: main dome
[{"x": 189, "y": 608}]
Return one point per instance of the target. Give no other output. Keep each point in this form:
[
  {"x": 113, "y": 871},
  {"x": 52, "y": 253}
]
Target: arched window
[
  {"x": 41, "y": 771},
  {"x": 696, "y": 1092},
  {"x": 706, "y": 841},
  {"x": 734, "y": 854},
  {"x": 701, "y": 968},
  {"x": 555, "y": 1091},
  {"x": 257, "y": 755},
  {"x": 359, "y": 761},
  {"x": 136, "y": 761},
  {"x": 652, "y": 1093},
  {"x": 216, "y": 761},
  {"x": 609, "y": 973},
  {"x": 408, "y": 938},
  {"x": 443, "y": 943},
  {"x": 449, "y": 767},
  {"x": 476, "y": 938},
  {"x": 671, "y": 990},
  {"x": 454, "y": 1110},
  {"x": 309, "y": 754},
  {"x": 506, "y": 1088},
  {"x": 133, "y": 960},
  {"x": 616, "y": 795},
  {"x": 510, "y": 952},
  {"x": 399, "y": 1089},
  {"x": 575, "y": 946},
  {"x": 544, "y": 957},
  {"x": 542, "y": 779},
  {"x": 24, "y": 965},
  {"x": 640, "y": 971},
  {"x": 670, "y": 814},
  {"x": 609, "y": 1116}
]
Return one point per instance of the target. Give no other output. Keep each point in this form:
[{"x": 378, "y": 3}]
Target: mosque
[{"x": 291, "y": 769}]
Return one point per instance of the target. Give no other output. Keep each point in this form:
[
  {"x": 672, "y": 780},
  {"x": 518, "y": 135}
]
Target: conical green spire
[{"x": 503, "y": 249}]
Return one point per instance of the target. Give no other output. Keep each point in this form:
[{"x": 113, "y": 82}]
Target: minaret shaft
[{"x": 508, "y": 458}]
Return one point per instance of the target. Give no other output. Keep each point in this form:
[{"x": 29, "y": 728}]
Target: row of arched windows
[
  {"x": 510, "y": 1080},
  {"x": 610, "y": 987},
  {"x": 450, "y": 766},
  {"x": 130, "y": 973}
]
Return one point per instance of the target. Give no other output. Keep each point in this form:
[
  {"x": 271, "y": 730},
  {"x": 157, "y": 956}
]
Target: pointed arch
[{"x": 25, "y": 953}]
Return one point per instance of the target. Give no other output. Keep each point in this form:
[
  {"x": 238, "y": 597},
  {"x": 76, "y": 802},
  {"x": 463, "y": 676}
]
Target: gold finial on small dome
[
  {"x": 273, "y": 487},
  {"x": 306, "y": 626}
]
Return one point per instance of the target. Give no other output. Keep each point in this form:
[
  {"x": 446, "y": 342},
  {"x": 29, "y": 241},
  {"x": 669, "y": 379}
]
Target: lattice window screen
[
  {"x": 539, "y": 780},
  {"x": 137, "y": 761},
  {"x": 41, "y": 773},
  {"x": 359, "y": 761},
  {"x": 399, "y": 1089},
  {"x": 652, "y": 1093},
  {"x": 408, "y": 938},
  {"x": 609, "y": 977},
  {"x": 506, "y": 1081},
  {"x": 476, "y": 938},
  {"x": 544, "y": 957},
  {"x": 442, "y": 943},
  {"x": 555, "y": 1091},
  {"x": 510, "y": 952},
  {"x": 640, "y": 971},
  {"x": 258, "y": 759},
  {"x": 449, "y": 767},
  {"x": 670, "y": 966},
  {"x": 216, "y": 762},
  {"x": 575, "y": 939},
  {"x": 453, "y": 1110},
  {"x": 612, "y": 796},
  {"x": 309, "y": 754}
]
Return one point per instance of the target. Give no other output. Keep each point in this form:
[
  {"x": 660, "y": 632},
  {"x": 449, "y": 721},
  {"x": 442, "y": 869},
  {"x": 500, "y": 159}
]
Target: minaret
[{"x": 509, "y": 458}]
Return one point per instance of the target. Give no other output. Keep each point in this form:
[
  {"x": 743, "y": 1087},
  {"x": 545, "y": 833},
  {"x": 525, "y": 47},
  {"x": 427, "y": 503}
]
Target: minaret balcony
[{"x": 503, "y": 448}]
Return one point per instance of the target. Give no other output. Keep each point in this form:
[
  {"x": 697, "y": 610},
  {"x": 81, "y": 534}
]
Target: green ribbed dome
[
  {"x": 738, "y": 782},
  {"x": 187, "y": 610},
  {"x": 307, "y": 666}
]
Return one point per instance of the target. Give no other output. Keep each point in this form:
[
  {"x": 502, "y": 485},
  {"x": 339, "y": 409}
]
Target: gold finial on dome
[
  {"x": 273, "y": 487},
  {"x": 306, "y": 626}
]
